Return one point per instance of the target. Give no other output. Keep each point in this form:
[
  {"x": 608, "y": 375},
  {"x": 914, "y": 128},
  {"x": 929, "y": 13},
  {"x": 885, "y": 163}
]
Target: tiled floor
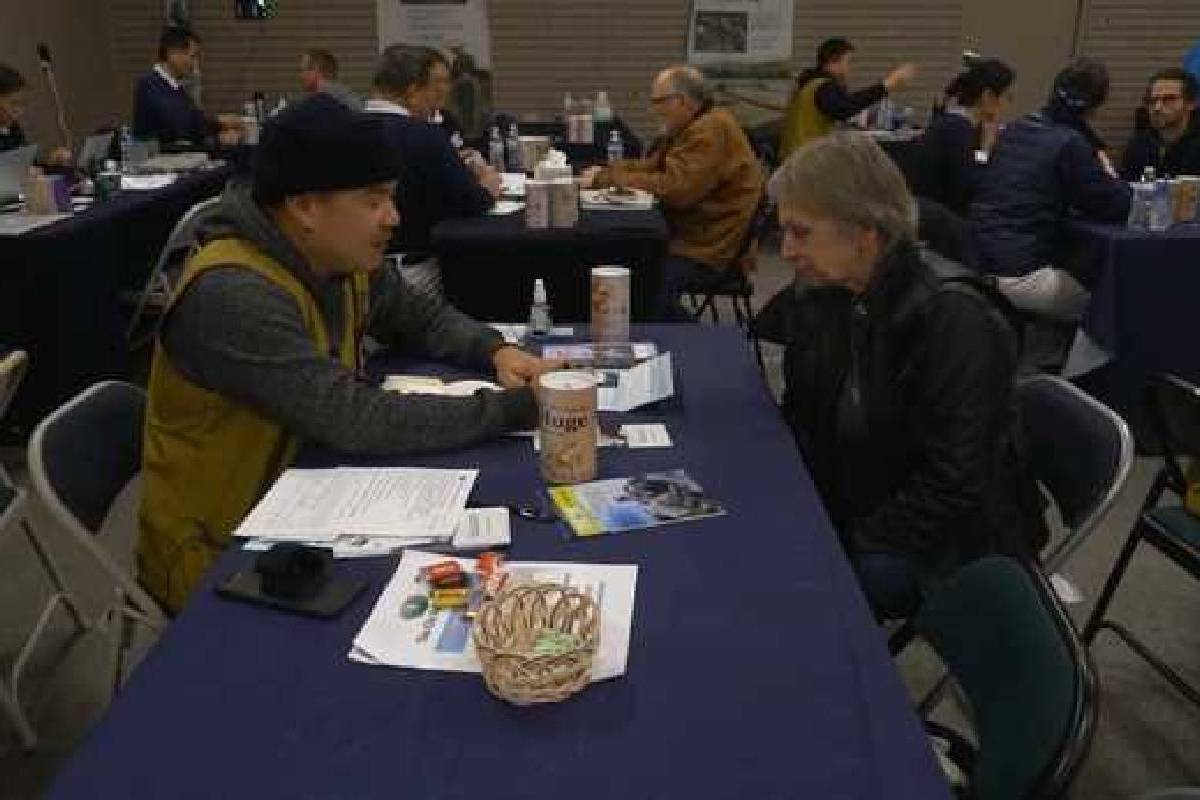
[{"x": 1147, "y": 737}]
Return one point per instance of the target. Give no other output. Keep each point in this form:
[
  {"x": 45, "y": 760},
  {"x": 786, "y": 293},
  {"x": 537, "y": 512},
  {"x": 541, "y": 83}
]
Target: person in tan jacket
[{"x": 704, "y": 174}]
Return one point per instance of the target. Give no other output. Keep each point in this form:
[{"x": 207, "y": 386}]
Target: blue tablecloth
[
  {"x": 1145, "y": 293},
  {"x": 489, "y": 263},
  {"x": 755, "y": 668},
  {"x": 60, "y": 287}
]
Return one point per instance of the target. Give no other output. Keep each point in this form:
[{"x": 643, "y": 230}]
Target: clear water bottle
[
  {"x": 126, "y": 142},
  {"x": 1161, "y": 210},
  {"x": 1139, "y": 206},
  {"x": 616, "y": 147},
  {"x": 512, "y": 144},
  {"x": 496, "y": 150},
  {"x": 602, "y": 111},
  {"x": 539, "y": 310}
]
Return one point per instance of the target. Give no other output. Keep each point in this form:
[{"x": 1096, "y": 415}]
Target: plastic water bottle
[
  {"x": 1139, "y": 206},
  {"x": 496, "y": 150},
  {"x": 539, "y": 310},
  {"x": 602, "y": 112},
  {"x": 616, "y": 147},
  {"x": 512, "y": 144},
  {"x": 1161, "y": 210},
  {"x": 126, "y": 142}
]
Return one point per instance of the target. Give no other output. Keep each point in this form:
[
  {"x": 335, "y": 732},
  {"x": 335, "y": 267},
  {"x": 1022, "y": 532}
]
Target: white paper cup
[{"x": 610, "y": 304}]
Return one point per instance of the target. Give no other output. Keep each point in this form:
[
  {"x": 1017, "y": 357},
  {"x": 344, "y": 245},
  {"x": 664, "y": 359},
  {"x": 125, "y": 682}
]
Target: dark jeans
[
  {"x": 890, "y": 583},
  {"x": 680, "y": 275}
]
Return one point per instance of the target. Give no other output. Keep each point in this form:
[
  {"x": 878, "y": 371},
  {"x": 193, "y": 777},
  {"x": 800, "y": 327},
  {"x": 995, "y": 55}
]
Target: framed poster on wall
[{"x": 448, "y": 25}]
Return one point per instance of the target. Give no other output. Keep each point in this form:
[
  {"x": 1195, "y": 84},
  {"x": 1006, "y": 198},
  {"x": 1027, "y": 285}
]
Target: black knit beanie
[{"x": 320, "y": 144}]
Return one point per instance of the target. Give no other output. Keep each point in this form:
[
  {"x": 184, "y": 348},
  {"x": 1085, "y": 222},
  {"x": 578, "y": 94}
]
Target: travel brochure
[{"x": 628, "y": 504}]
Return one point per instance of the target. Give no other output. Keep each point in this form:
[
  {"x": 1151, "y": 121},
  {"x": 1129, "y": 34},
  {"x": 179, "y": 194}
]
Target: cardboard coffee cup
[
  {"x": 537, "y": 204},
  {"x": 568, "y": 427},
  {"x": 610, "y": 304},
  {"x": 564, "y": 203}
]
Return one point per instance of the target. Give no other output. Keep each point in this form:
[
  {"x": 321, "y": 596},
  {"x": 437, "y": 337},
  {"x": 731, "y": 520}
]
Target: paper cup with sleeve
[
  {"x": 567, "y": 428},
  {"x": 537, "y": 204},
  {"x": 610, "y": 304},
  {"x": 564, "y": 203}
]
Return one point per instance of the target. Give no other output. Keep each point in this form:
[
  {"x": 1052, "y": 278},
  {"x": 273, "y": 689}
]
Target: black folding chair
[
  {"x": 1172, "y": 530},
  {"x": 733, "y": 282},
  {"x": 1010, "y": 645}
]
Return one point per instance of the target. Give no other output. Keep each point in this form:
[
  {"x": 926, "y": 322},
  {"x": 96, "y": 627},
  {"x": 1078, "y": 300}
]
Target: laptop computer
[
  {"x": 95, "y": 147},
  {"x": 14, "y": 165}
]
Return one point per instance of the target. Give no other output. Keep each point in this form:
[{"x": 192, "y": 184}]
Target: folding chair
[
  {"x": 12, "y": 508},
  {"x": 81, "y": 458},
  {"x": 1172, "y": 530},
  {"x": 160, "y": 283},
  {"x": 1081, "y": 453},
  {"x": 734, "y": 282},
  {"x": 1008, "y": 642}
]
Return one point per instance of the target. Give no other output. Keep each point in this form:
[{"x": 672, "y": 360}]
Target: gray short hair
[
  {"x": 689, "y": 82},
  {"x": 847, "y": 177}
]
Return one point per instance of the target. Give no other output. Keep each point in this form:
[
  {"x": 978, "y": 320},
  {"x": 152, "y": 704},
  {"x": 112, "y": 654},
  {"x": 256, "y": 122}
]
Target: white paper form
[
  {"x": 442, "y": 640},
  {"x": 323, "y": 504},
  {"x": 644, "y": 436},
  {"x": 627, "y": 389}
]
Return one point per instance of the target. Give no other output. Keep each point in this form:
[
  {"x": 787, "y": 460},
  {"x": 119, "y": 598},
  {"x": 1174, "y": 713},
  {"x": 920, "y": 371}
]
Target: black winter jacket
[
  {"x": 1041, "y": 169},
  {"x": 902, "y": 402},
  {"x": 1147, "y": 149}
]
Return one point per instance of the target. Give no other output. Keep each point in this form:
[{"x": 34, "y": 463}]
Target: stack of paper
[
  {"x": 441, "y": 640},
  {"x": 361, "y": 511}
]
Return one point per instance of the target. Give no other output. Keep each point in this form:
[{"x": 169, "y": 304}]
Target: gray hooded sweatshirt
[{"x": 239, "y": 335}]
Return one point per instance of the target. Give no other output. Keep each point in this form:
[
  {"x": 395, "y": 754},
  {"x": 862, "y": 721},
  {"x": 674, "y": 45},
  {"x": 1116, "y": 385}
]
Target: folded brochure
[{"x": 628, "y": 504}]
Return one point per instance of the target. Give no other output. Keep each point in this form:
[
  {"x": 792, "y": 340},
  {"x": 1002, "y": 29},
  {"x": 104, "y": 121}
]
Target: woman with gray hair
[{"x": 899, "y": 372}]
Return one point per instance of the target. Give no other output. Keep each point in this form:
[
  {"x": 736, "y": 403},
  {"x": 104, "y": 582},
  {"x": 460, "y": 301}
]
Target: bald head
[{"x": 677, "y": 95}]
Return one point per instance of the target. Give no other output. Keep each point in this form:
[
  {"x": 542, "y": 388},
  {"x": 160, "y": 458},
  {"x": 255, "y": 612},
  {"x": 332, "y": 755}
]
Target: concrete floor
[{"x": 1147, "y": 737}]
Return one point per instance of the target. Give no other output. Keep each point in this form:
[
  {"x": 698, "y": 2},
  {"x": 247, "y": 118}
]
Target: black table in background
[
  {"x": 60, "y": 289},
  {"x": 489, "y": 263},
  {"x": 578, "y": 155},
  {"x": 1145, "y": 292}
]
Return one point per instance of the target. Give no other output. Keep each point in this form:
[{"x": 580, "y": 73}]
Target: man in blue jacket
[
  {"x": 1045, "y": 166},
  {"x": 162, "y": 108},
  {"x": 437, "y": 184}
]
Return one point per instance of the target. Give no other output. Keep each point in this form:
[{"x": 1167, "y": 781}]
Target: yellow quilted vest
[
  {"x": 803, "y": 121},
  {"x": 207, "y": 459}
]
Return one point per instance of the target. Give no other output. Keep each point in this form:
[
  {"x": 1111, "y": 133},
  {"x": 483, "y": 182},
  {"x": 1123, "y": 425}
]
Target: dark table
[
  {"x": 60, "y": 286},
  {"x": 755, "y": 668},
  {"x": 578, "y": 155},
  {"x": 1145, "y": 290},
  {"x": 489, "y": 263}
]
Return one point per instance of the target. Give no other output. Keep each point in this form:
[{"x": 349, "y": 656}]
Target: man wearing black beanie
[{"x": 260, "y": 349}]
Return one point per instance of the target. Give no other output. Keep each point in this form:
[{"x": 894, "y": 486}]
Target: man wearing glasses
[
  {"x": 706, "y": 176},
  {"x": 1171, "y": 143}
]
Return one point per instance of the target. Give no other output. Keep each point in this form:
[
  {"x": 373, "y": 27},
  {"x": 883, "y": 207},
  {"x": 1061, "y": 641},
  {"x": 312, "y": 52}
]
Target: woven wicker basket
[{"x": 507, "y": 628}]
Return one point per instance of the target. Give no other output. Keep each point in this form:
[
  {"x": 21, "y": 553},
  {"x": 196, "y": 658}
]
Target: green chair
[
  {"x": 1009, "y": 644},
  {"x": 1174, "y": 414}
]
